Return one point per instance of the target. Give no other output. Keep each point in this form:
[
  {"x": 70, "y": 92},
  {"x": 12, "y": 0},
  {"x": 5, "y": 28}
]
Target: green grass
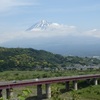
[
  {"x": 92, "y": 92},
  {"x": 21, "y": 75},
  {"x": 88, "y": 93}
]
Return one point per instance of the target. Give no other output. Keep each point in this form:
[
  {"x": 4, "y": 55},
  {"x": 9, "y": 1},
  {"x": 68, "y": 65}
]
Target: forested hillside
[{"x": 30, "y": 59}]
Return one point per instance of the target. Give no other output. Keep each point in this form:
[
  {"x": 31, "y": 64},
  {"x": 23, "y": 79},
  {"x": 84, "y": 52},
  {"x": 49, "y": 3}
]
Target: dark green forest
[{"x": 31, "y": 59}]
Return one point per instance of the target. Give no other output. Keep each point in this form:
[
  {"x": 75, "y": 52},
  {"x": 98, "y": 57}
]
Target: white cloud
[
  {"x": 62, "y": 28},
  {"x": 4, "y": 37},
  {"x": 55, "y": 30},
  {"x": 8, "y": 4},
  {"x": 93, "y": 33}
]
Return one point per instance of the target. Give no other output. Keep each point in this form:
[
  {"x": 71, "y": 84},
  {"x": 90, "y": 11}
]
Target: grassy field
[
  {"x": 21, "y": 75},
  {"x": 88, "y": 93}
]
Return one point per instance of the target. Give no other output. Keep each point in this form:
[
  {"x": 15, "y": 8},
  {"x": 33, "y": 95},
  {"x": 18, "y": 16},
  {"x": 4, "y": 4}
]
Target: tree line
[{"x": 30, "y": 59}]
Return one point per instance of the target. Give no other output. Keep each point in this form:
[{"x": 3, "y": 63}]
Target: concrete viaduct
[{"x": 47, "y": 81}]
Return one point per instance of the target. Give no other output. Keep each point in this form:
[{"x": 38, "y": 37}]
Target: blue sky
[{"x": 18, "y": 15}]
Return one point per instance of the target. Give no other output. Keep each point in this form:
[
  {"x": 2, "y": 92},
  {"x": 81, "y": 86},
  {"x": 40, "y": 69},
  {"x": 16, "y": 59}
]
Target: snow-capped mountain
[{"x": 41, "y": 25}]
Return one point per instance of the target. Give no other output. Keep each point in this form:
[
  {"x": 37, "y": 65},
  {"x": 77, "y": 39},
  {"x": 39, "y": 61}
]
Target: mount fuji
[{"x": 43, "y": 25}]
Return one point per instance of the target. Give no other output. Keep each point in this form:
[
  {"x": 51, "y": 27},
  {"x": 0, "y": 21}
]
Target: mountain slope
[
  {"x": 31, "y": 59},
  {"x": 26, "y": 59}
]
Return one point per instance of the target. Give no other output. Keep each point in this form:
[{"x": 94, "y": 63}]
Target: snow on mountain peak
[
  {"x": 43, "y": 21},
  {"x": 43, "y": 25}
]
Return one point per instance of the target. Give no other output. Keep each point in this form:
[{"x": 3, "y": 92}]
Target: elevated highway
[{"x": 47, "y": 81}]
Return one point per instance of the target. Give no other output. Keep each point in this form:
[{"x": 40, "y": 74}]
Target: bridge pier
[
  {"x": 75, "y": 85},
  {"x": 0, "y": 93},
  {"x": 9, "y": 93},
  {"x": 67, "y": 86},
  {"x": 48, "y": 91},
  {"x": 39, "y": 91},
  {"x": 95, "y": 81}
]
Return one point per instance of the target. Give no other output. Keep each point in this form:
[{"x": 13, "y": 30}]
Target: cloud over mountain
[
  {"x": 93, "y": 32},
  {"x": 45, "y": 29}
]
